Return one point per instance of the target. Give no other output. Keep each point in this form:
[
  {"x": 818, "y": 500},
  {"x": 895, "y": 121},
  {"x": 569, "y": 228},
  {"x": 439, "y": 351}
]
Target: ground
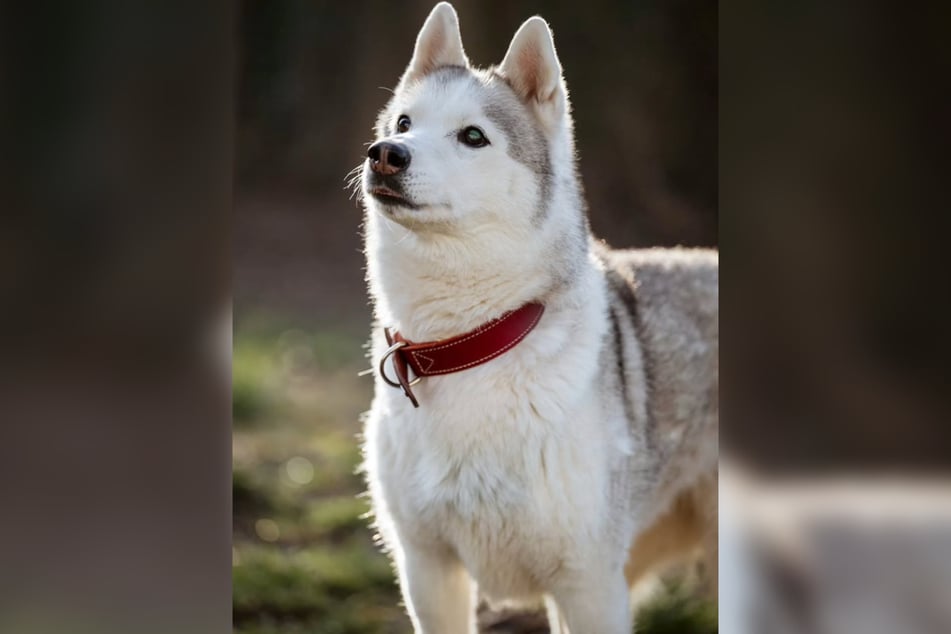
[{"x": 304, "y": 557}]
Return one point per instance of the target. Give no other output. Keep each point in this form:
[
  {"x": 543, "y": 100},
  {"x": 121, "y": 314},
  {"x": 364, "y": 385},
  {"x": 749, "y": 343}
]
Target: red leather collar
[{"x": 456, "y": 353}]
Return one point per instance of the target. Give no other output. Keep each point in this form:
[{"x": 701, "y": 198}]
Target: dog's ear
[
  {"x": 532, "y": 68},
  {"x": 439, "y": 43}
]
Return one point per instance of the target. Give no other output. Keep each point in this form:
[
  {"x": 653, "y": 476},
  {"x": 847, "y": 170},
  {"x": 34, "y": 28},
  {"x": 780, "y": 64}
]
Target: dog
[{"x": 544, "y": 425}]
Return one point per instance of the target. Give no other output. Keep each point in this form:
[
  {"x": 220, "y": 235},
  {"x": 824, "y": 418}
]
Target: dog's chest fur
[
  {"x": 503, "y": 495},
  {"x": 505, "y": 463}
]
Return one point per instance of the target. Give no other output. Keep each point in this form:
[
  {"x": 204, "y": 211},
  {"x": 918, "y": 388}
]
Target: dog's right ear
[{"x": 439, "y": 43}]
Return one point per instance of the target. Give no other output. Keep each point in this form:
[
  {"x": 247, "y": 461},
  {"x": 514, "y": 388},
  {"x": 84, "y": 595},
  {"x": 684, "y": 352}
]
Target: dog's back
[
  {"x": 670, "y": 298},
  {"x": 667, "y": 299}
]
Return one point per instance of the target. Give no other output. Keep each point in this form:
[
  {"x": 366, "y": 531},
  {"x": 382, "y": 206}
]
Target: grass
[
  {"x": 304, "y": 557},
  {"x": 676, "y": 609}
]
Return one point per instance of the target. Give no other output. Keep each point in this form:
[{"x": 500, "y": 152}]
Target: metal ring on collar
[{"x": 386, "y": 355}]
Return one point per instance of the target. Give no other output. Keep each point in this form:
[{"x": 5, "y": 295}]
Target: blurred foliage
[
  {"x": 304, "y": 558},
  {"x": 677, "y": 610}
]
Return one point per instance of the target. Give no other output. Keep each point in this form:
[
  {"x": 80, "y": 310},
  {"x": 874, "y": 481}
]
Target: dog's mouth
[{"x": 390, "y": 196}]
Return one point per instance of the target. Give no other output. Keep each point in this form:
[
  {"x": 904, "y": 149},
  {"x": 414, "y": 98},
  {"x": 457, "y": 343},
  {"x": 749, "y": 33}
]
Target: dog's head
[{"x": 459, "y": 147}]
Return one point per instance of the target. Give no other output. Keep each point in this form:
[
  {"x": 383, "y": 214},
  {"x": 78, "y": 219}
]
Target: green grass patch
[
  {"x": 337, "y": 515},
  {"x": 254, "y": 382},
  {"x": 295, "y": 580},
  {"x": 677, "y": 610},
  {"x": 348, "y": 586}
]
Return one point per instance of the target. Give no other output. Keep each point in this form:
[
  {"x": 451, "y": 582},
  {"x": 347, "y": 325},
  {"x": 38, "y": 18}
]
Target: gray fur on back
[{"x": 669, "y": 300}]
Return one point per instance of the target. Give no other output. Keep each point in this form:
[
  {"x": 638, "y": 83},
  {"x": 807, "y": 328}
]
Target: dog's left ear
[
  {"x": 439, "y": 43},
  {"x": 532, "y": 68}
]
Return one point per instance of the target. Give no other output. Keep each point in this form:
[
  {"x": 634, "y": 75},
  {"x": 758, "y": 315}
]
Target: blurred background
[
  {"x": 835, "y": 500},
  {"x": 119, "y": 126},
  {"x": 311, "y": 77}
]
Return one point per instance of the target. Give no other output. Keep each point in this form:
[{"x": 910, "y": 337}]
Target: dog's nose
[{"x": 388, "y": 158}]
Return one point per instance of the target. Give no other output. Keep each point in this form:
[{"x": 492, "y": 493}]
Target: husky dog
[{"x": 583, "y": 454}]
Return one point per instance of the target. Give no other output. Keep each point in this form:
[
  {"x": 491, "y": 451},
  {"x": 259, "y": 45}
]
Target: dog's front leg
[
  {"x": 594, "y": 604},
  {"x": 437, "y": 590}
]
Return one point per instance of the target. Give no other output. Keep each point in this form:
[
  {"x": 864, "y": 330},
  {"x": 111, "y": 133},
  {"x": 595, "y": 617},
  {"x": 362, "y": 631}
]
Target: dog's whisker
[
  {"x": 356, "y": 170},
  {"x": 352, "y": 181}
]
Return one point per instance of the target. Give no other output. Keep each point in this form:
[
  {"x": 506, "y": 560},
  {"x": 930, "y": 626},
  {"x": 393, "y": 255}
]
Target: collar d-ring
[{"x": 402, "y": 381}]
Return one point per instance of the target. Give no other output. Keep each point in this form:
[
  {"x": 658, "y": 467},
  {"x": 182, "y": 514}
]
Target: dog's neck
[{"x": 431, "y": 286}]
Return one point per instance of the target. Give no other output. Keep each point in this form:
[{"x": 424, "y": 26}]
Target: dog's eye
[
  {"x": 473, "y": 137},
  {"x": 402, "y": 124}
]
